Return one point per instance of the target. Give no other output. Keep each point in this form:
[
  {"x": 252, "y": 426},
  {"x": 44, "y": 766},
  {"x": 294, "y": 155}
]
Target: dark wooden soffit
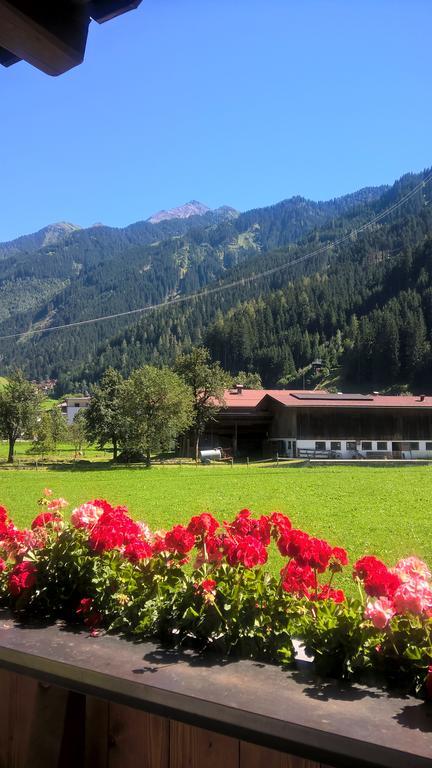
[{"x": 52, "y": 34}]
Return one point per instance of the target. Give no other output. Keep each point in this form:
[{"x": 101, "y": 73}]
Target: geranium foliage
[{"x": 205, "y": 584}]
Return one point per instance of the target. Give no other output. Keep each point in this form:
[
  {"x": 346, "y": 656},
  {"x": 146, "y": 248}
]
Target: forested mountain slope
[
  {"x": 100, "y": 271},
  {"x": 53, "y": 233},
  {"x": 365, "y": 306}
]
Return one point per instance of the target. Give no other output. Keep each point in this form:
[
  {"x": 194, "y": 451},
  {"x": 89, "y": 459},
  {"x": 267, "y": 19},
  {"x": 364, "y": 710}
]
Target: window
[
  {"x": 413, "y": 446},
  {"x": 429, "y": 446},
  {"x": 351, "y": 445},
  {"x": 320, "y": 445},
  {"x": 76, "y": 405},
  {"x": 366, "y": 446},
  {"x": 381, "y": 446},
  {"x": 335, "y": 446}
]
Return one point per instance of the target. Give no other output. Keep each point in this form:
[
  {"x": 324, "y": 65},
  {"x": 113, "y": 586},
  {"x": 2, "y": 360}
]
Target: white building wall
[
  {"x": 423, "y": 452},
  {"x": 72, "y": 409}
]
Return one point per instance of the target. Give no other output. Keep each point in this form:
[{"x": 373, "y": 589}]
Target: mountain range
[{"x": 275, "y": 325}]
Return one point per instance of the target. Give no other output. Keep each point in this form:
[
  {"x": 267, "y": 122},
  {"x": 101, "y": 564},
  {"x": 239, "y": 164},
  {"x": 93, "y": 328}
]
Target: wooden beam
[
  {"x": 7, "y": 58},
  {"x": 53, "y": 48},
  {"x": 104, "y": 10}
]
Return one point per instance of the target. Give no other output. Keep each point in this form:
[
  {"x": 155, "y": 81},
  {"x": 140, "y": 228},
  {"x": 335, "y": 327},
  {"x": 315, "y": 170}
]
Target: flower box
[{"x": 69, "y": 699}]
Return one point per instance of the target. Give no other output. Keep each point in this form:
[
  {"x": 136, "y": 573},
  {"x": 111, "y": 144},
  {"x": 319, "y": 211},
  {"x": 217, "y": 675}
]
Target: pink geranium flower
[
  {"x": 413, "y": 597},
  {"x": 56, "y": 504},
  {"x": 86, "y": 516},
  {"x": 411, "y": 568},
  {"x": 379, "y": 612}
]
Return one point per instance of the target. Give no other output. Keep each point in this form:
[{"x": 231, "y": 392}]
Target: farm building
[
  {"x": 73, "y": 405},
  {"x": 299, "y": 423}
]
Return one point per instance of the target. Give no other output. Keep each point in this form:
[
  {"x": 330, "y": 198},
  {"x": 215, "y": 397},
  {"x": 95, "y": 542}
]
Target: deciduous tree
[
  {"x": 104, "y": 416},
  {"x": 157, "y": 406},
  {"x": 208, "y": 382},
  {"x": 20, "y": 403}
]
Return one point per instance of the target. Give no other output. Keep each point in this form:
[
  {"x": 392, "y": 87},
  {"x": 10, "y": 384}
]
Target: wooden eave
[{"x": 51, "y": 35}]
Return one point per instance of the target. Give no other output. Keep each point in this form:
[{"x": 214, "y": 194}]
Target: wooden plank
[
  {"x": 38, "y": 729},
  {"x": 52, "y": 52},
  {"x": 96, "y": 734},
  {"x": 137, "y": 739},
  {"x": 24, "y": 694},
  {"x": 7, "y": 683},
  {"x": 72, "y": 734},
  {"x": 192, "y": 747},
  {"x": 252, "y": 756}
]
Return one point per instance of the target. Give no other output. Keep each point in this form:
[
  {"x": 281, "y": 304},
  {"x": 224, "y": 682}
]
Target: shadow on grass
[{"x": 71, "y": 466}]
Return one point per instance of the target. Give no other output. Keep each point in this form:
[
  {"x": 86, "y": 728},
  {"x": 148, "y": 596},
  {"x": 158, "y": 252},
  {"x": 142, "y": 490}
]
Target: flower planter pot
[{"x": 108, "y": 702}]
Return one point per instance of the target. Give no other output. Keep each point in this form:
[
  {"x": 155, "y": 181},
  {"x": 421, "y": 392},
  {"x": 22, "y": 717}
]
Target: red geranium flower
[
  {"x": 199, "y": 525},
  {"x": 213, "y": 545},
  {"x": 366, "y": 565},
  {"x": 338, "y": 558},
  {"x": 22, "y": 577},
  {"x": 208, "y": 585},
  {"x": 113, "y": 530},
  {"x": 378, "y": 580},
  {"x": 327, "y": 593},
  {"x": 281, "y": 523},
  {"x": 248, "y": 551},
  {"x": 382, "y": 584},
  {"x": 245, "y": 525},
  {"x": 91, "y": 616},
  {"x": 138, "y": 550},
  {"x": 103, "y": 504},
  {"x": 44, "y": 518},
  {"x": 317, "y": 554},
  {"x": 298, "y": 579},
  {"x": 179, "y": 540},
  {"x": 294, "y": 543}
]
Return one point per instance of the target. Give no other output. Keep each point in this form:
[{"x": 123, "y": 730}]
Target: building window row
[{"x": 367, "y": 445}]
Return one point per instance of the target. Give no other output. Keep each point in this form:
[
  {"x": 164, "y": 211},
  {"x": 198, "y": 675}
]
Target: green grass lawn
[
  {"x": 64, "y": 453},
  {"x": 381, "y": 511}
]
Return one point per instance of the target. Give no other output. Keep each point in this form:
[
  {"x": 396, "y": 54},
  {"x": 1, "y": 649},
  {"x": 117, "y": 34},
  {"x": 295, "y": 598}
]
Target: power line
[{"x": 241, "y": 281}]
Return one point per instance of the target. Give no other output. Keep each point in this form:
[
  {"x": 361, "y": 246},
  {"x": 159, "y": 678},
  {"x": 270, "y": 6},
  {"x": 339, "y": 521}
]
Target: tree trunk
[
  {"x": 11, "y": 450},
  {"x": 148, "y": 459},
  {"x": 115, "y": 452},
  {"x": 197, "y": 439}
]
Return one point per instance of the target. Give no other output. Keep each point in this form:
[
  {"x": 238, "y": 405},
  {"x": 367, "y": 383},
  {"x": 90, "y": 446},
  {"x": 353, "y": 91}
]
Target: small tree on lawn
[
  {"x": 58, "y": 427},
  {"x": 78, "y": 432},
  {"x": 208, "y": 382},
  {"x": 158, "y": 406},
  {"x": 51, "y": 429},
  {"x": 104, "y": 416},
  {"x": 20, "y": 407},
  {"x": 42, "y": 444}
]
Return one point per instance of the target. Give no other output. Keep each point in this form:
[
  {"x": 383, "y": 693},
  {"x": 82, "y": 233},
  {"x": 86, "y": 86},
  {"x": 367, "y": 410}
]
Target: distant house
[
  {"x": 300, "y": 423},
  {"x": 72, "y": 405}
]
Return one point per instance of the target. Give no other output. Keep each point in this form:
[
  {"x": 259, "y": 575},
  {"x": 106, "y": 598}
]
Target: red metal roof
[{"x": 251, "y": 398}]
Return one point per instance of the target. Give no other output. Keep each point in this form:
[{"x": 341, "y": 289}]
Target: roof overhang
[{"x": 51, "y": 35}]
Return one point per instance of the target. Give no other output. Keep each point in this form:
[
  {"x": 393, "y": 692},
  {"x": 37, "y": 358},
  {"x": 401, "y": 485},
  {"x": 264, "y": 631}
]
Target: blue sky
[{"x": 238, "y": 102}]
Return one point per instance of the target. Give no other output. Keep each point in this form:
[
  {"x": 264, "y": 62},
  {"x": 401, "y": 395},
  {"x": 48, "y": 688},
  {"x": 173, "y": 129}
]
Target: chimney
[
  {"x": 421, "y": 398},
  {"x": 239, "y": 388}
]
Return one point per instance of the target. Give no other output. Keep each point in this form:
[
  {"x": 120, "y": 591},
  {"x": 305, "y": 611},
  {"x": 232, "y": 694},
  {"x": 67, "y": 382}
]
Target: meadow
[{"x": 375, "y": 510}]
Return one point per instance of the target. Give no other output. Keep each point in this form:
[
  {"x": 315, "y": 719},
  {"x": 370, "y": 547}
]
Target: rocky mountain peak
[{"x": 192, "y": 208}]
